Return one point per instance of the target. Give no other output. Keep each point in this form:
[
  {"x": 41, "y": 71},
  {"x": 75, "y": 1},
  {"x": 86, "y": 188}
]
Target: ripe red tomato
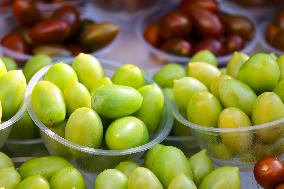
[{"x": 281, "y": 186}]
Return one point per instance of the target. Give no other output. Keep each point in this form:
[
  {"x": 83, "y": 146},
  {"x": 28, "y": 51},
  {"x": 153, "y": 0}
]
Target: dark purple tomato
[
  {"x": 234, "y": 43},
  {"x": 188, "y": 6},
  {"x": 278, "y": 40},
  {"x": 176, "y": 46},
  {"x": 213, "y": 45},
  {"x": 279, "y": 19}
]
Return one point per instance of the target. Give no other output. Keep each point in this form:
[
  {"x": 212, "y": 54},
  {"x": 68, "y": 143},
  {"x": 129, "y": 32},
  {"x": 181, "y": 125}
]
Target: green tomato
[
  {"x": 280, "y": 62},
  {"x": 9, "y": 178},
  {"x": 182, "y": 182},
  {"x": 220, "y": 151},
  {"x": 223, "y": 71},
  {"x": 76, "y": 96},
  {"x": 204, "y": 72},
  {"x": 9, "y": 63},
  {"x": 153, "y": 101},
  {"x": 180, "y": 129},
  {"x": 129, "y": 75},
  {"x": 12, "y": 92},
  {"x": 261, "y": 72},
  {"x": 268, "y": 107},
  {"x": 184, "y": 88},
  {"x": 126, "y": 132},
  {"x": 25, "y": 128},
  {"x": 59, "y": 129},
  {"x": 170, "y": 93},
  {"x": 3, "y": 69},
  {"x": 110, "y": 179},
  {"x": 143, "y": 177},
  {"x": 84, "y": 127},
  {"x": 67, "y": 178},
  {"x": 35, "y": 64},
  {"x": 168, "y": 73},
  {"x": 201, "y": 165},
  {"x": 114, "y": 101},
  {"x": 34, "y": 182},
  {"x": 234, "y": 93},
  {"x": 61, "y": 75},
  {"x": 127, "y": 167},
  {"x": 88, "y": 69},
  {"x": 279, "y": 89},
  {"x": 151, "y": 154},
  {"x": 45, "y": 166},
  {"x": 222, "y": 178},
  {"x": 206, "y": 57},
  {"x": 48, "y": 103},
  {"x": 168, "y": 163},
  {"x": 235, "y": 63},
  {"x": 5, "y": 161},
  {"x": 102, "y": 82},
  {"x": 204, "y": 109},
  {"x": 238, "y": 142},
  {"x": 215, "y": 85}
]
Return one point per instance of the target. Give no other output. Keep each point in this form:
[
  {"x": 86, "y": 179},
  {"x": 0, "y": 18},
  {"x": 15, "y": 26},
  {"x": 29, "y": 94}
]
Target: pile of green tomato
[
  {"x": 40, "y": 173},
  {"x": 168, "y": 167},
  {"x": 79, "y": 103},
  {"x": 249, "y": 91}
]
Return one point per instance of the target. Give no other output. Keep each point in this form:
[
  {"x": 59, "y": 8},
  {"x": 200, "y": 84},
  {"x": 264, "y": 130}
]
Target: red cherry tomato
[
  {"x": 176, "y": 46},
  {"x": 269, "y": 172},
  {"x": 271, "y": 32},
  {"x": 151, "y": 34},
  {"x": 213, "y": 45},
  {"x": 15, "y": 42},
  {"x": 281, "y": 186},
  {"x": 26, "y": 12},
  {"x": 188, "y": 6},
  {"x": 234, "y": 43}
]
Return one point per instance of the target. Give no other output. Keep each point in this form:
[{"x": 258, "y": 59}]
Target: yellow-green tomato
[
  {"x": 235, "y": 63},
  {"x": 111, "y": 179},
  {"x": 67, "y": 178},
  {"x": 152, "y": 106},
  {"x": 88, "y": 69},
  {"x": 3, "y": 69},
  {"x": 204, "y": 109},
  {"x": 24, "y": 128},
  {"x": 126, "y": 132},
  {"x": 223, "y": 70},
  {"x": 143, "y": 178},
  {"x": 214, "y": 88},
  {"x": 170, "y": 93},
  {"x": 280, "y": 62},
  {"x": 59, "y": 129},
  {"x": 61, "y": 75},
  {"x": 10, "y": 64},
  {"x": 222, "y": 178},
  {"x": 45, "y": 166},
  {"x": 268, "y": 107},
  {"x": 204, "y": 72},
  {"x": 168, "y": 163},
  {"x": 234, "y": 93},
  {"x": 151, "y": 154},
  {"x": 76, "y": 96},
  {"x": 261, "y": 72},
  {"x": 34, "y": 182},
  {"x": 182, "y": 182},
  {"x": 84, "y": 127},
  {"x": 238, "y": 141},
  {"x": 206, "y": 57},
  {"x": 129, "y": 75},
  {"x": 114, "y": 101},
  {"x": 9, "y": 178},
  {"x": 48, "y": 103},
  {"x": 201, "y": 165},
  {"x": 5, "y": 161},
  {"x": 102, "y": 82},
  {"x": 12, "y": 91},
  {"x": 279, "y": 89},
  {"x": 220, "y": 151},
  {"x": 127, "y": 167},
  {"x": 184, "y": 88},
  {"x": 168, "y": 73}
]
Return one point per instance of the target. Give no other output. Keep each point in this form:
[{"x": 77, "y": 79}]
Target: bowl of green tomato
[{"x": 97, "y": 113}]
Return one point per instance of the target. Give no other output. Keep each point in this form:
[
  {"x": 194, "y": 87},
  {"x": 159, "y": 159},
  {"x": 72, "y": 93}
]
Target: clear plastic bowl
[
  {"x": 163, "y": 57},
  {"x": 245, "y": 145},
  {"x": 90, "y": 159},
  {"x": 8, "y": 22},
  {"x": 264, "y": 44}
]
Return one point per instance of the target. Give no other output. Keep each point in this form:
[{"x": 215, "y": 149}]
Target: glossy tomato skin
[
  {"x": 279, "y": 19},
  {"x": 269, "y": 172},
  {"x": 177, "y": 46},
  {"x": 187, "y": 6},
  {"x": 49, "y": 31},
  {"x": 281, "y": 186},
  {"x": 175, "y": 24},
  {"x": 151, "y": 34},
  {"x": 15, "y": 42},
  {"x": 70, "y": 15},
  {"x": 271, "y": 32},
  {"x": 213, "y": 45},
  {"x": 278, "y": 40},
  {"x": 234, "y": 43},
  {"x": 26, "y": 12}
]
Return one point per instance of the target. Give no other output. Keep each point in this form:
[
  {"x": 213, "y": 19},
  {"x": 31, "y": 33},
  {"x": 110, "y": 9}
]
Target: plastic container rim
[{"x": 158, "y": 139}]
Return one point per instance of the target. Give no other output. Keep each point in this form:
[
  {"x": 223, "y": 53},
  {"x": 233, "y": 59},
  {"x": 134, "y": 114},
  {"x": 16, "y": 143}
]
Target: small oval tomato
[
  {"x": 15, "y": 42},
  {"x": 269, "y": 172}
]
